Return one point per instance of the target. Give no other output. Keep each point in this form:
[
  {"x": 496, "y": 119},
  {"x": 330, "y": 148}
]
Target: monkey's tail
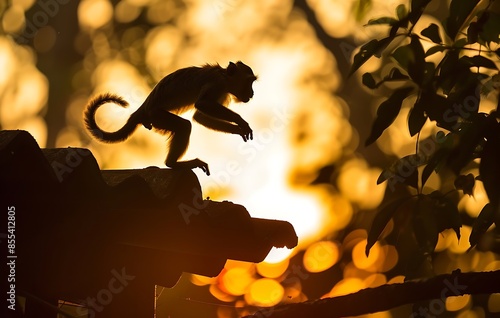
[{"x": 109, "y": 137}]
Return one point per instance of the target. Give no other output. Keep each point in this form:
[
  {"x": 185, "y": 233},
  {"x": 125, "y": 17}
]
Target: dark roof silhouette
[{"x": 112, "y": 235}]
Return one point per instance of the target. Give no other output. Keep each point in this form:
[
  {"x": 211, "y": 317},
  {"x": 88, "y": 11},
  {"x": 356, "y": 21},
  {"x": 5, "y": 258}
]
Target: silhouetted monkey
[{"x": 205, "y": 88}]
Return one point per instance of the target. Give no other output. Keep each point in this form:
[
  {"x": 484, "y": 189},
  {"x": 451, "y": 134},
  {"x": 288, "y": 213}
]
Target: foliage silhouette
[{"x": 448, "y": 93}]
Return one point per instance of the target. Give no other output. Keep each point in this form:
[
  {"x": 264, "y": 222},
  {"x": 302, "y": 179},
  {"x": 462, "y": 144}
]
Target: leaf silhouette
[
  {"x": 401, "y": 11},
  {"x": 479, "y": 61},
  {"x": 488, "y": 26},
  {"x": 387, "y": 113},
  {"x": 366, "y": 51},
  {"x": 434, "y": 50},
  {"x": 489, "y": 167},
  {"x": 416, "y": 9},
  {"x": 449, "y": 72},
  {"x": 416, "y": 119},
  {"x": 432, "y": 32},
  {"x": 436, "y": 107},
  {"x": 403, "y": 56},
  {"x": 411, "y": 57},
  {"x": 459, "y": 11},
  {"x": 446, "y": 213},
  {"x": 383, "y": 20},
  {"x": 380, "y": 221},
  {"x": 403, "y": 170},
  {"x": 417, "y": 67},
  {"x": 473, "y": 33},
  {"x": 436, "y": 159},
  {"x": 465, "y": 183},
  {"x": 395, "y": 75},
  {"x": 471, "y": 136},
  {"x": 369, "y": 81},
  {"x": 425, "y": 225},
  {"x": 483, "y": 222}
]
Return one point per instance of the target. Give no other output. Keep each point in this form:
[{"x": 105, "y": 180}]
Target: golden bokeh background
[{"x": 306, "y": 164}]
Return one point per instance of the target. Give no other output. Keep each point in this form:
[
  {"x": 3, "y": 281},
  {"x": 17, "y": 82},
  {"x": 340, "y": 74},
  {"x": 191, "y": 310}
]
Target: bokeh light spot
[
  {"x": 391, "y": 258},
  {"x": 492, "y": 266},
  {"x": 456, "y": 303},
  {"x": 396, "y": 280},
  {"x": 13, "y": 19},
  {"x": 94, "y": 14},
  {"x": 340, "y": 210},
  {"x": 162, "y": 45},
  {"x": 265, "y": 292},
  {"x": 358, "y": 183},
  {"x": 126, "y": 12},
  {"x": 474, "y": 204},
  {"x": 7, "y": 61},
  {"x": 272, "y": 270},
  {"x": 200, "y": 280},
  {"x": 45, "y": 39},
  {"x": 220, "y": 294},
  {"x": 139, "y": 3},
  {"x": 375, "y": 280},
  {"x": 463, "y": 245},
  {"x": 360, "y": 259},
  {"x": 320, "y": 256},
  {"x": 25, "y": 4},
  {"x": 347, "y": 286},
  {"x": 494, "y": 303},
  {"x": 235, "y": 281}
]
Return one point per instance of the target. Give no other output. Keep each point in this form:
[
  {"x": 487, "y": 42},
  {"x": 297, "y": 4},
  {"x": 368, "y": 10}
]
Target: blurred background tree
[{"x": 306, "y": 164}]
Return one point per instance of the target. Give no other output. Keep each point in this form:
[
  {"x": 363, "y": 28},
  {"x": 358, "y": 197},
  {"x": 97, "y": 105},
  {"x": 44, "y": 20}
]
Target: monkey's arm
[
  {"x": 207, "y": 105},
  {"x": 218, "y": 125},
  {"x": 222, "y": 113}
]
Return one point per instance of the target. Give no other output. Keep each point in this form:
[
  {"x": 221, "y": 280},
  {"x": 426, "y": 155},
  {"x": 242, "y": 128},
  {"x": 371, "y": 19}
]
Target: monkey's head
[{"x": 240, "y": 78}]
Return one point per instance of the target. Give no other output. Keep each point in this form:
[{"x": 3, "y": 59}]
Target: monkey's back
[{"x": 181, "y": 89}]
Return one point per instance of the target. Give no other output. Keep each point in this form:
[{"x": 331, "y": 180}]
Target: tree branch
[
  {"x": 386, "y": 297},
  {"x": 340, "y": 48}
]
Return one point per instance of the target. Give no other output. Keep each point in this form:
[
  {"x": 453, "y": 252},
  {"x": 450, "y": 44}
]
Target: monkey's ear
[{"x": 231, "y": 68}]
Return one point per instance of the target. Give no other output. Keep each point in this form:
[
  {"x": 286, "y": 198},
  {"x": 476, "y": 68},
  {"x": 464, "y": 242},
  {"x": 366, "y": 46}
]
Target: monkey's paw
[
  {"x": 202, "y": 165},
  {"x": 245, "y": 132}
]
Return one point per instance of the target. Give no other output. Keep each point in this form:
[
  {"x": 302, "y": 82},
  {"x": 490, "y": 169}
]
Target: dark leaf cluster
[{"x": 448, "y": 94}]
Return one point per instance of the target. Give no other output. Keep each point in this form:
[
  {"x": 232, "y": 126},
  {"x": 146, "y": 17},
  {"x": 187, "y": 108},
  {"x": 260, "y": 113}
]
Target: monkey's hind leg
[{"x": 180, "y": 130}]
